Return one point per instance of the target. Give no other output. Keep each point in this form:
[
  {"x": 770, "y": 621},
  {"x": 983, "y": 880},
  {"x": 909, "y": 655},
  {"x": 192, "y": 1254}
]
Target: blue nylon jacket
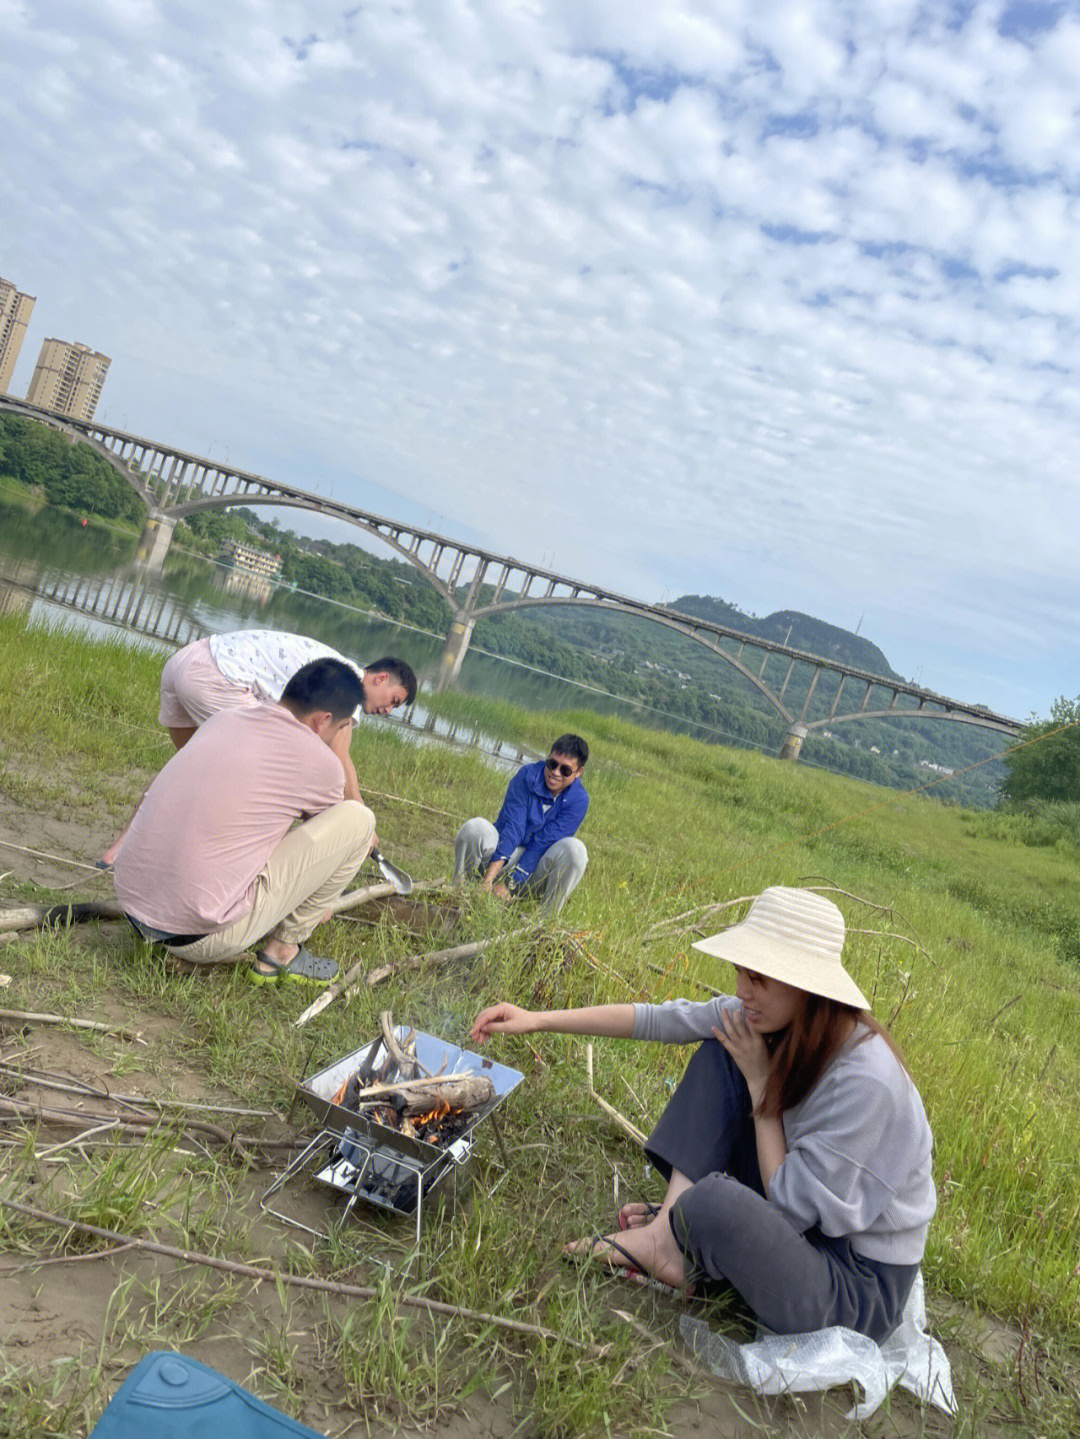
[{"x": 522, "y": 819}]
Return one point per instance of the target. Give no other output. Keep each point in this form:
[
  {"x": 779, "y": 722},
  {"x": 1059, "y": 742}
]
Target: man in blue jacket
[{"x": 531, "y": 849}]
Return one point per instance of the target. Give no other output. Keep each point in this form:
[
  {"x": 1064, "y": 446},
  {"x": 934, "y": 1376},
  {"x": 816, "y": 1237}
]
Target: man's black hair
[
  {"x": 573, "y": 747},
  {"x": 324, "y": 684},
  {"x": 397, "y": 670}
]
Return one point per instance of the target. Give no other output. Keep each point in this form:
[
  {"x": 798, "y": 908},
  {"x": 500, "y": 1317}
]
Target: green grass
[{"x": 987, "y": 1010}]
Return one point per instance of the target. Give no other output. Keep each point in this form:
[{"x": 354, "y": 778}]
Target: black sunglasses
[{"x": 566, "y": 770}]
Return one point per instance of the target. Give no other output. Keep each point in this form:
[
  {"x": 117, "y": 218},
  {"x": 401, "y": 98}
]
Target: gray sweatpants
[
  {"x": 555, "y": 877},
  {"x": 728, "y": 1231}
]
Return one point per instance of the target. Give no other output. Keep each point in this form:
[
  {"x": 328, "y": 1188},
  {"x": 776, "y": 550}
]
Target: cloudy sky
[{"x": 776, "y": 300}]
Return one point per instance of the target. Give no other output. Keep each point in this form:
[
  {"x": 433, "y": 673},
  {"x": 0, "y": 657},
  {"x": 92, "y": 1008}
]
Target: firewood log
[
  {"x": 459, "y": 1091},
  {"x": 36, "y": 916}
]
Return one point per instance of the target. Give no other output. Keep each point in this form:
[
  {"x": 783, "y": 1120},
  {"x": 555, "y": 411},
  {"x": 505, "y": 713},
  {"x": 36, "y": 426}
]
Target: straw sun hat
[{"x": 795, "y": 936}]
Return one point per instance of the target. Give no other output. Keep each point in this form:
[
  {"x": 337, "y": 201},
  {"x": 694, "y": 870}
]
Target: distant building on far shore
[
  {"x": 245, "y": 569},
  {"x": 15, "y": 310},
  {"x": 235, "y": 555},
  {"x": 68, "y": 378}
]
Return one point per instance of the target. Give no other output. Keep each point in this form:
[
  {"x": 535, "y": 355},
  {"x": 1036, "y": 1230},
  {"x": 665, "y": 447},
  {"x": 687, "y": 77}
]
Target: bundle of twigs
[
  {"x": 355, "y": 979},
  {"x": 668, "y": 928},
  {"x": 115, "y": 1114}
]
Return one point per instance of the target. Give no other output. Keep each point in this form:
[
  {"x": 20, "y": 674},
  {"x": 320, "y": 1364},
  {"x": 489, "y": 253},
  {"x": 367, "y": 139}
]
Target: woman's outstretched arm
[{"x": 615, "y": 1021}]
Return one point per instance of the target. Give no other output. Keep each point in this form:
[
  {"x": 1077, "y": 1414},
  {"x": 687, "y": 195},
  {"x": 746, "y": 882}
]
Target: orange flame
[{"x": 441, "y": 1108}]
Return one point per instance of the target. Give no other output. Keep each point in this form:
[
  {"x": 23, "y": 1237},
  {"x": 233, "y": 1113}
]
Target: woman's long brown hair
[{"x": 808, "y": 1045}]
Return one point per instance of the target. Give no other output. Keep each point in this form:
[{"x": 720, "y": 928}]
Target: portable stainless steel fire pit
[{"x": 372, "y": 1162}]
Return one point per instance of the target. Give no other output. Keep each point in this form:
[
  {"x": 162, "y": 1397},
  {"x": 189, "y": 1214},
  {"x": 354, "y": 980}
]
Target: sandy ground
[{"x": 52, "y": 1312}]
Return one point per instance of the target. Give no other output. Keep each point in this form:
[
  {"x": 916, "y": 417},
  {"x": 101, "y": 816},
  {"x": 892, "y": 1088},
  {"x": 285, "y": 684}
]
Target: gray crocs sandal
[{"x": 304, "y": 968}]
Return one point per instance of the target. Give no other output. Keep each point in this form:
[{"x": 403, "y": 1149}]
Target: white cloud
[{"x": 486, "y": 259}]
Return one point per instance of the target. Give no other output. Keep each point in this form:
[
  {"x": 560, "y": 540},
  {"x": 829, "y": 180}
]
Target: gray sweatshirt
[{"x": 859, "y": 1145}]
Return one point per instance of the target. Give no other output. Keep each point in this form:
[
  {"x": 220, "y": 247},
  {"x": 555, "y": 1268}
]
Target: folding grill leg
[
  {"x": 292, "y": 1168},
  {"x": 499, "y": 1141},
  {"x": 290, "y": 1172},
  {"x": 357, "y": 1177}
]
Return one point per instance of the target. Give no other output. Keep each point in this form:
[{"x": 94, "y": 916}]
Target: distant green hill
[
  {"x": 707, "y": 696},
  {"x": 789, "y": 627}
]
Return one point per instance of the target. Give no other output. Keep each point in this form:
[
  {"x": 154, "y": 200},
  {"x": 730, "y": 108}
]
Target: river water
[{"x": 61, "y": 572}]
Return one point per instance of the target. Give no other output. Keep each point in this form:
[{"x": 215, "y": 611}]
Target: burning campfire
[
  {"x": 398, "y": 1118},
  {"x": 402, "y": 1095}
]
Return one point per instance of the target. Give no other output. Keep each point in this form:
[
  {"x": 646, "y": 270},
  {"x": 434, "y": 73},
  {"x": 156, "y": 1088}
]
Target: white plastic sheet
[{"x": 796, "y": 1363}]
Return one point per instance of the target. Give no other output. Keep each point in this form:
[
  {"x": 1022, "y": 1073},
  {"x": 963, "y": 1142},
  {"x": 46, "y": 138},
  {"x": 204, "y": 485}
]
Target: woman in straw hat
[{"x": 796, "y": 1148}]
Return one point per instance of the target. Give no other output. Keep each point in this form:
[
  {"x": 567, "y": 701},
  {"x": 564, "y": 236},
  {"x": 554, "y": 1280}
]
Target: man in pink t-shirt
[{"x": 214, "y": 860}]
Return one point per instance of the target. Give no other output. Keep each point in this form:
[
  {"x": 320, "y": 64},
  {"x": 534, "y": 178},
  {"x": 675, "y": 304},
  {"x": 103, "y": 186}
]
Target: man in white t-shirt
[{"x": 251, "y": 667}]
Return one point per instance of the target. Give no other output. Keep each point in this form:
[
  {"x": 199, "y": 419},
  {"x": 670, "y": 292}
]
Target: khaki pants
[{"x": 310, "y": 868}]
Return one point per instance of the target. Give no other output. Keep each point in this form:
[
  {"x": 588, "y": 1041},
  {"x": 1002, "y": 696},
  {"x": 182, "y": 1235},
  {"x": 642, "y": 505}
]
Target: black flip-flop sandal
[
  {"x": 303, "y": 968},
  {"x": 631, "y": 1271},
  {"x": 590, "y": 1256},
  {"x": 634, "y": 1274}
]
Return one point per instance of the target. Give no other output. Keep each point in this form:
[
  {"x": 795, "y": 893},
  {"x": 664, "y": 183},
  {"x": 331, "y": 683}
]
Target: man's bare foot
[{"x": 651, "y": 1247}]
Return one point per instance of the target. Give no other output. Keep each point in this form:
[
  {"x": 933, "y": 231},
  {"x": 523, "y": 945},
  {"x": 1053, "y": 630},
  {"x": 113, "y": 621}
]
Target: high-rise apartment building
[
  {"x": 68, "y": 378},
  {"x": 15, "y": 310}
]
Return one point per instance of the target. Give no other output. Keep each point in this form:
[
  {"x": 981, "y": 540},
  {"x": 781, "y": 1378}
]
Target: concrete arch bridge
[{"x": 477, "y": 583}]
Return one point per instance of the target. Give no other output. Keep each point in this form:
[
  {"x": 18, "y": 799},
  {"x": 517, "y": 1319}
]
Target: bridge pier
[
  {"x": 793, "y": 742},
  {"x": 449, "y": 664},
  {"x": 17, "y": 585},
  {"x": 14, "y": 600},
  {"x": 154, "y": 541}
]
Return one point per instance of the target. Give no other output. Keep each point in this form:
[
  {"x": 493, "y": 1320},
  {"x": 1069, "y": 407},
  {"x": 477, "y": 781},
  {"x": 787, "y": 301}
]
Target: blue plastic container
[{"x": 168, "y": 1396}]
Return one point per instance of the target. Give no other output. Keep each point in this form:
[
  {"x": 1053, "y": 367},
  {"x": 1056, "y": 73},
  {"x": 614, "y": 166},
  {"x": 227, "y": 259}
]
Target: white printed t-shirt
[{"x": 266, "y": 660}]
